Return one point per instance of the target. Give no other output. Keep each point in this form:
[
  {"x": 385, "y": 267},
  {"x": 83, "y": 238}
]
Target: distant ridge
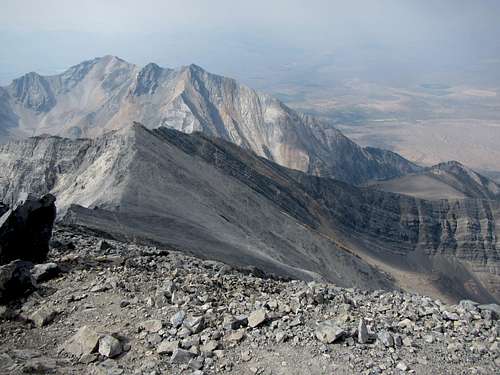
[{"x": 105, "y": 93}]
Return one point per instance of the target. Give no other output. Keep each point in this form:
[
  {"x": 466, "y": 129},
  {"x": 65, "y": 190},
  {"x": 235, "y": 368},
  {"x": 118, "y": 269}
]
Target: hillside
[
  {"x": 213, "y": 199},
  {"x": 450, "y": 180}
]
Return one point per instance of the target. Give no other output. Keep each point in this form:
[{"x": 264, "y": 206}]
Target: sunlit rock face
[{"x": 106, "y": 93}]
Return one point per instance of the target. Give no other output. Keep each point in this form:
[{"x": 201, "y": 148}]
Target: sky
[{"x": 392, "y": 41}]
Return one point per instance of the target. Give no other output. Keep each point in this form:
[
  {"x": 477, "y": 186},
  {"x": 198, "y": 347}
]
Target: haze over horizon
[
  {"x": 387, "y": 41},
  {"x": 417, "y": 75}
]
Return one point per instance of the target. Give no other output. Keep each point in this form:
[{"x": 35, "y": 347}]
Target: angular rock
[
  {"x": 26, "y": 229},
  {"x": 328, "y": 332},
  {"x": 44, "y": 272},
  {"x": 110, "y": 346},
  {"x": 43, "y": 316},
  {"x": 167, "y": 347},
  {"x": 363, "y": 335},
  {"x": 104, "y": 245},
  {"x": 85, "y": 341},
  {"x": 180, "y": 356},
  {"x": 178, "y": 318},
  {"x": 210, "y": 346},
  {"x": 195, "y": 324},
  {"x": 493, "y": 307},
  {"x": 450, "y": 316},
  {"x": 386, "y": 339},
  {"x": 238, "y": 322},
  {"x": 15, "y": 280},
  {"x": 257, "y": 318},
  {"x": 402, "y": 366},
  {"x": 151, "y": 326},
  {"x": 196, "y": 364},
  {"x": 236, "y": 336},
  {"x": 281, "y": 337}
]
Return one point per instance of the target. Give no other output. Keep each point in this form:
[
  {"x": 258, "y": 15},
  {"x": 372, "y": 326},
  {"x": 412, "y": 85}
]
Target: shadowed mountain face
[
  {"x": 450, "y": 180},
  {"x": 214, "y": 199},
  {"x": 103, "y": 94}
]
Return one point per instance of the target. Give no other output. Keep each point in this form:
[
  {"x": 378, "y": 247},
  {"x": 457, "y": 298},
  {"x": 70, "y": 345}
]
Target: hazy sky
[{"x": 393, "y": 40}]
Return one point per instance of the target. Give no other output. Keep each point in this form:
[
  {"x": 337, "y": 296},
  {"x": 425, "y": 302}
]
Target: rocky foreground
[{"x": 106, "y": 307}]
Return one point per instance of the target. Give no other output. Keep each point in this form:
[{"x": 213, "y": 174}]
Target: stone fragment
[
  {"x": 196, "y": 363},
  {"x": 103, "y": 245},
  {"x": 328, "y": 332},
  {"x": 257, "y": 318},
  {"x": 363, "y": 335},
  {"x": 43, "y": 316},
  {"x": 195, "y": 324},
  {"x": 281, "y": 337},
  {"x": 85, "y": 341},
  {"x": 44, "y": 272},
  {"x": 110, "y": 346},
  {"x": 180, "y": 356},
  {"x": 238, "y": 322},
  {"x": 402, "y": 366},
  {"x": 151, "y": 326},
  {"x": 236, "y": 336},
  {"x": 450, "y": 316},
  {"x": 167, "y": 347},
  {"x": 246, "y": 355},
  {"x": 492, "y": 307},
  {"x": 210, "y": 346},
  {"x": 386, "y": 339},
  {"x": 178, "y": 318}
]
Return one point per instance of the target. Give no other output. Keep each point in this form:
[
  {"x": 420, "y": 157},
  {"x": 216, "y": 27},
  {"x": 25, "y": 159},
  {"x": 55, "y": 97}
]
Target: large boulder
[
  {"x": 15, "y": 280},
  {"x": 26, "y": 229}
]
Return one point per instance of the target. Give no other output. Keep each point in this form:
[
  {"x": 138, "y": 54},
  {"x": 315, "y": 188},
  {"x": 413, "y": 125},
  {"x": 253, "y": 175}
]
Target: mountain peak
[{"x": 33, "y": 91}]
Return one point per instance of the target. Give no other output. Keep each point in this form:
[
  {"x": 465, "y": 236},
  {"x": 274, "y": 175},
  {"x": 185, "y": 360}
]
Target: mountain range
[
  {"x": 197, "y": 162},
  {"x": 108, "y": 93}
]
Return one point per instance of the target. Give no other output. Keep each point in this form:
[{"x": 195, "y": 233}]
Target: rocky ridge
[
  {"x": 108, "y": 93},
  {"x": 122, "y": 308},
  {"x": 213, "y": 199}
]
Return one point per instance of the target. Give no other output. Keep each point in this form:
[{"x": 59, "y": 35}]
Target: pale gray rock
[
  {"x": 363, "y": 335},
  {"x": 194, "y": 324},
  {"x": 329, "y": 332},
  {"x": 43, "y": 316},
  {"x": 178, "y": 318},
  {"x": 110, "y": 346},
  {"x": 151, "y": 326},
  {"x": 85, "y": 341},
  {"x": 256, "y": 318},
  {"x": 386, "y": 339},
  {"x": 167, "y": 347}
]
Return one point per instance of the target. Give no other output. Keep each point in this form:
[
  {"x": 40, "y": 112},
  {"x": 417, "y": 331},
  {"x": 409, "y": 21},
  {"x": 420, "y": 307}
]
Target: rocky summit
[{"x": 132, "y": 309}]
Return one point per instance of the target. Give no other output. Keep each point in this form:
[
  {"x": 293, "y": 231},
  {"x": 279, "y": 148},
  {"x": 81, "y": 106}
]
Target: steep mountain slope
[
  {"x": 143, "y": 187},
  {"x": 443, "y": 181},
  {"x": 216, "y": 200},
  {"x": 105, "y": 93}
]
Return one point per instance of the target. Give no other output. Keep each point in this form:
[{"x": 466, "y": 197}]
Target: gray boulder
[
  {"x": 26, "y": 229},
  {"x": 15, "y": 280},
  {"x": 44, "y": 272}
]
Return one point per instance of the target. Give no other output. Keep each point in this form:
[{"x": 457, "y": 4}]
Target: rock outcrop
[{"x": 26, "y": 228}]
